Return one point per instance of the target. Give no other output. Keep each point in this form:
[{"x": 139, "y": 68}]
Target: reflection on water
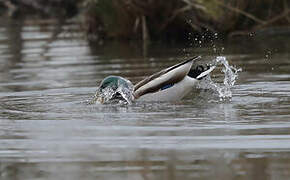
[{"x": 47, "y": 131}]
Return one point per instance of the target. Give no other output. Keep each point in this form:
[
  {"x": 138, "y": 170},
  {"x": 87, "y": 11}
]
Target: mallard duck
[{"x": 171, "y": 84}]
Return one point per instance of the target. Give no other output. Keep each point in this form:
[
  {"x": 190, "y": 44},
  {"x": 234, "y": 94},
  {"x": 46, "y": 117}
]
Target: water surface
[{"x": 47, "y": 131}]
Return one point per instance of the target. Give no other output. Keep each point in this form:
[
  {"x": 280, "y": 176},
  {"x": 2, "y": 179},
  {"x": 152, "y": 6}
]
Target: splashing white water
[
  {"x": 122, "y": 95},
  {"x": 126, "y": 91},
  {"x": 230, "y": 77}
]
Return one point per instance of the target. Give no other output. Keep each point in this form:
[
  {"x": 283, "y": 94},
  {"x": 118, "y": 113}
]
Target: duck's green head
[
  {"x": 110, "y": 82},
  {"x": 113, "y": 87}
]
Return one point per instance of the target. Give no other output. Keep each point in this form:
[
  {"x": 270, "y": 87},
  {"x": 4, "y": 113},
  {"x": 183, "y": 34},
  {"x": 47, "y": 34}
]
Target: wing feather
[{"x": 170, "y": 75}]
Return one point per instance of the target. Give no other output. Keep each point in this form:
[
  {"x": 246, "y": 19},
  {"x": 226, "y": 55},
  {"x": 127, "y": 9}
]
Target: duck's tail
[{"x": 200, "y": 72}]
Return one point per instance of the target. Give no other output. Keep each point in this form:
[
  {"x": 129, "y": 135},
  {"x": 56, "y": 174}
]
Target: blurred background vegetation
[{"x": 159, "y": 20}]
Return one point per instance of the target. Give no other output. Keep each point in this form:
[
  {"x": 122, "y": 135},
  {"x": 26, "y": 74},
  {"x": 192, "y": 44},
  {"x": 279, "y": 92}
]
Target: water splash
[
  {"x": 126, "y": 91},
  {"x": 122, "y": 95},
  {"x": 230, "y": 77}
]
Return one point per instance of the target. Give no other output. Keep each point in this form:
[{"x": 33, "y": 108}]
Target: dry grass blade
[
  {"x": 273, "y": 20},
  {"x": 248, "y": 15},
  {"x": 195, "y": 5}
]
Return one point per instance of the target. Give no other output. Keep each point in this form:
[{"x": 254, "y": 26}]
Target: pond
[{"x": 48, "y": 131}]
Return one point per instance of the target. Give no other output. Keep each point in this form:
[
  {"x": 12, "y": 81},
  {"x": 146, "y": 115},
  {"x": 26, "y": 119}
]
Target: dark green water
[{"x": 48, "y": 132}]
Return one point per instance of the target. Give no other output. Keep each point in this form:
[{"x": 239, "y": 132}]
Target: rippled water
[{"x": 47, "y": 131}]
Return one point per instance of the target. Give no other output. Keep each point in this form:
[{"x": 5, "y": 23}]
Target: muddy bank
[
  {"x": 158, "y": 21},
  {"x": 177, "y": 19}
]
